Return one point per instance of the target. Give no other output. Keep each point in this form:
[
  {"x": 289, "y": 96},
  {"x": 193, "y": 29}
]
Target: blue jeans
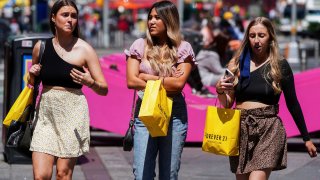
[{"x": 169, "y": 147}]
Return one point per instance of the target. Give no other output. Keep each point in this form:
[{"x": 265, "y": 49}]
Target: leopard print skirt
[{"x": 263, "y": 141}]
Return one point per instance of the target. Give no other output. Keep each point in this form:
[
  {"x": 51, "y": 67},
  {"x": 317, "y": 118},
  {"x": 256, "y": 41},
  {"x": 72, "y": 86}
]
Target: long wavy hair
[
  {"x": 275, "y": 72},
  {"x": 163, "y": 58},
  {"x": 54, "y": 10}
]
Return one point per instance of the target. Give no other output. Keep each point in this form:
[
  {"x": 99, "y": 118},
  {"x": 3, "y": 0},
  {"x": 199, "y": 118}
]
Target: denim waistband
[{"x": 179, "y": 104}]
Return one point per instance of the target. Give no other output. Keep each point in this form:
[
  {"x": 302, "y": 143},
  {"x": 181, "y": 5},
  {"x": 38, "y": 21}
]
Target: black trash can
[
  {"x": 17, "y": 60},
  {"x": 4, "y": 33}
]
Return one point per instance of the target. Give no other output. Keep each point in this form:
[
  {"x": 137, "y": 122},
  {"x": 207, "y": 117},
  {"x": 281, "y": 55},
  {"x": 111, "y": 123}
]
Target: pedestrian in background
[
  {"x": 208, "y": 59},
  {"x": 161, "y": 55},
  {"x": 260, "y": 77},
  {"x": 62, "y": 133}
]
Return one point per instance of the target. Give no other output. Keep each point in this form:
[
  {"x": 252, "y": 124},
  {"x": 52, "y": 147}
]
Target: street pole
[
  {"x": 34, "y": 15},
  {"x": 294, "y": 21},
  {"x": 106, "y": 34},
  {"x": 180, "y": 9},
  {"x": 293, "y": 56}
]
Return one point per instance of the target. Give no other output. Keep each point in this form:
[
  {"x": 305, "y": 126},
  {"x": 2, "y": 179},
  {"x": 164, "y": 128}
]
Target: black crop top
[
  {"x": 55, "y": 71},
  {"x": 260, "y": 90}
]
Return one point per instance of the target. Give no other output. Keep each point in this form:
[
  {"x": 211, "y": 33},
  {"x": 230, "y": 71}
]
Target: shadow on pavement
[{"x": 103, "y": 138}]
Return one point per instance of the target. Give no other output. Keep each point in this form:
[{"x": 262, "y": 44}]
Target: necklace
[{"x": 66, "y": 50}]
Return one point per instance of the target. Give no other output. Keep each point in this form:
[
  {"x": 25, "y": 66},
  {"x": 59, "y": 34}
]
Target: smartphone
[{"x": 228, "y": 74}]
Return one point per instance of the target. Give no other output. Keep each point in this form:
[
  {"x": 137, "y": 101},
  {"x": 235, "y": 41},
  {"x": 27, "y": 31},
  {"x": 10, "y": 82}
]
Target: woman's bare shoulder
[
  {"x": 84, "y": 50},
  {"x": 83, "y": 46},
  {"x": 82, "y": 43}
]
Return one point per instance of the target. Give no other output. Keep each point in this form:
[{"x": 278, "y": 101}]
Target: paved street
[{"x": 107, "y": 161}]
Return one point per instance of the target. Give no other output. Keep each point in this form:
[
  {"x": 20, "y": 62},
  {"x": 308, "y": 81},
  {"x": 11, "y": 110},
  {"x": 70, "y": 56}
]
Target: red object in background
[
  {"x": 199, "y": 6},
  {"x": 217, "y": 8},
  {"x": 123, "y": 24},
  {"x": 127, "y": 5},
  {"x": 133, "y": 4}
]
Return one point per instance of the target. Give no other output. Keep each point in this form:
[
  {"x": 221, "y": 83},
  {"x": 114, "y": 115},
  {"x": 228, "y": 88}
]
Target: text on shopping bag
[{"x": 221, "y": 133}]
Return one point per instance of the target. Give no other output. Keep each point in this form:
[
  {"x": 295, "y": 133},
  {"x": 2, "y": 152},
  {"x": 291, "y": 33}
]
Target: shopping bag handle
[
  {"x": 131, "y": 123},
  {"x": 215, "y": 104},
  {"x": 37, "y": 82}
]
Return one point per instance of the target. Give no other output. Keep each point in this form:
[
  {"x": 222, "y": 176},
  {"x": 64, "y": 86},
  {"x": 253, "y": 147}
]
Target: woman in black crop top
[
  {"x": 62, "y": 132},
  {"x": 259, "y": 80}
]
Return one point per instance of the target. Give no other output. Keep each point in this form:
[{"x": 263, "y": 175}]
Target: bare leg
[
  {"x": 260, "y": 175},
  {"x": 65, "y": 168},
  {"x": 42, "y": 165}
]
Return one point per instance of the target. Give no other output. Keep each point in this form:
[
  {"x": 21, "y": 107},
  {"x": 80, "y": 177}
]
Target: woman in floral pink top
[{"x": 161, "y": 55}]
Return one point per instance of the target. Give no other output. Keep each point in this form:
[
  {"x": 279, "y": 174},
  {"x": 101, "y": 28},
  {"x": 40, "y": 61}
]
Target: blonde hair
[
  {"x": 274, "y": 56},
  {"x": 163, "y": 58}
]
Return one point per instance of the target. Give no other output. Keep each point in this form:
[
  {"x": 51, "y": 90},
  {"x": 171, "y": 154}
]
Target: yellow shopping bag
[
  {"x": 221, "y": 133},
  {"x": 24, "y": 99},
  {"x": 156, "y": 108}
]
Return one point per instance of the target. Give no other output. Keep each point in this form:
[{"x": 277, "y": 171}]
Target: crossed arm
[{"x": 137, "y": 80}]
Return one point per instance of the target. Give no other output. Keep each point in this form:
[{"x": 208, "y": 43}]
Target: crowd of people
[
  {"x": 61, "y": 133},
  {"x": 221, "y": 32}
]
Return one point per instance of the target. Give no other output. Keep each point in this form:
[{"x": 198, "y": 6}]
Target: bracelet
[
  {"x": 220, "y": 93},
  {"x": 91, "y": 85}
]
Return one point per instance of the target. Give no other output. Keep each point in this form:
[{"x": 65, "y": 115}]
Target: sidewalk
[{"x": 107, "y": 161}]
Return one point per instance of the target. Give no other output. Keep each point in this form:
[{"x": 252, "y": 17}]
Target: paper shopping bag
[
  {"x": 156, "y": 108},
  {"x": 221, "y": 133},
  {"x": 24, "y": 99}
]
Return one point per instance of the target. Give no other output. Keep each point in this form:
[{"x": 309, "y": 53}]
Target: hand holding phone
[{"x": 229, "y": 74}]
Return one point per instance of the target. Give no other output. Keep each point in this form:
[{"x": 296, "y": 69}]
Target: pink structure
[{"x": 112, "y": 113}]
